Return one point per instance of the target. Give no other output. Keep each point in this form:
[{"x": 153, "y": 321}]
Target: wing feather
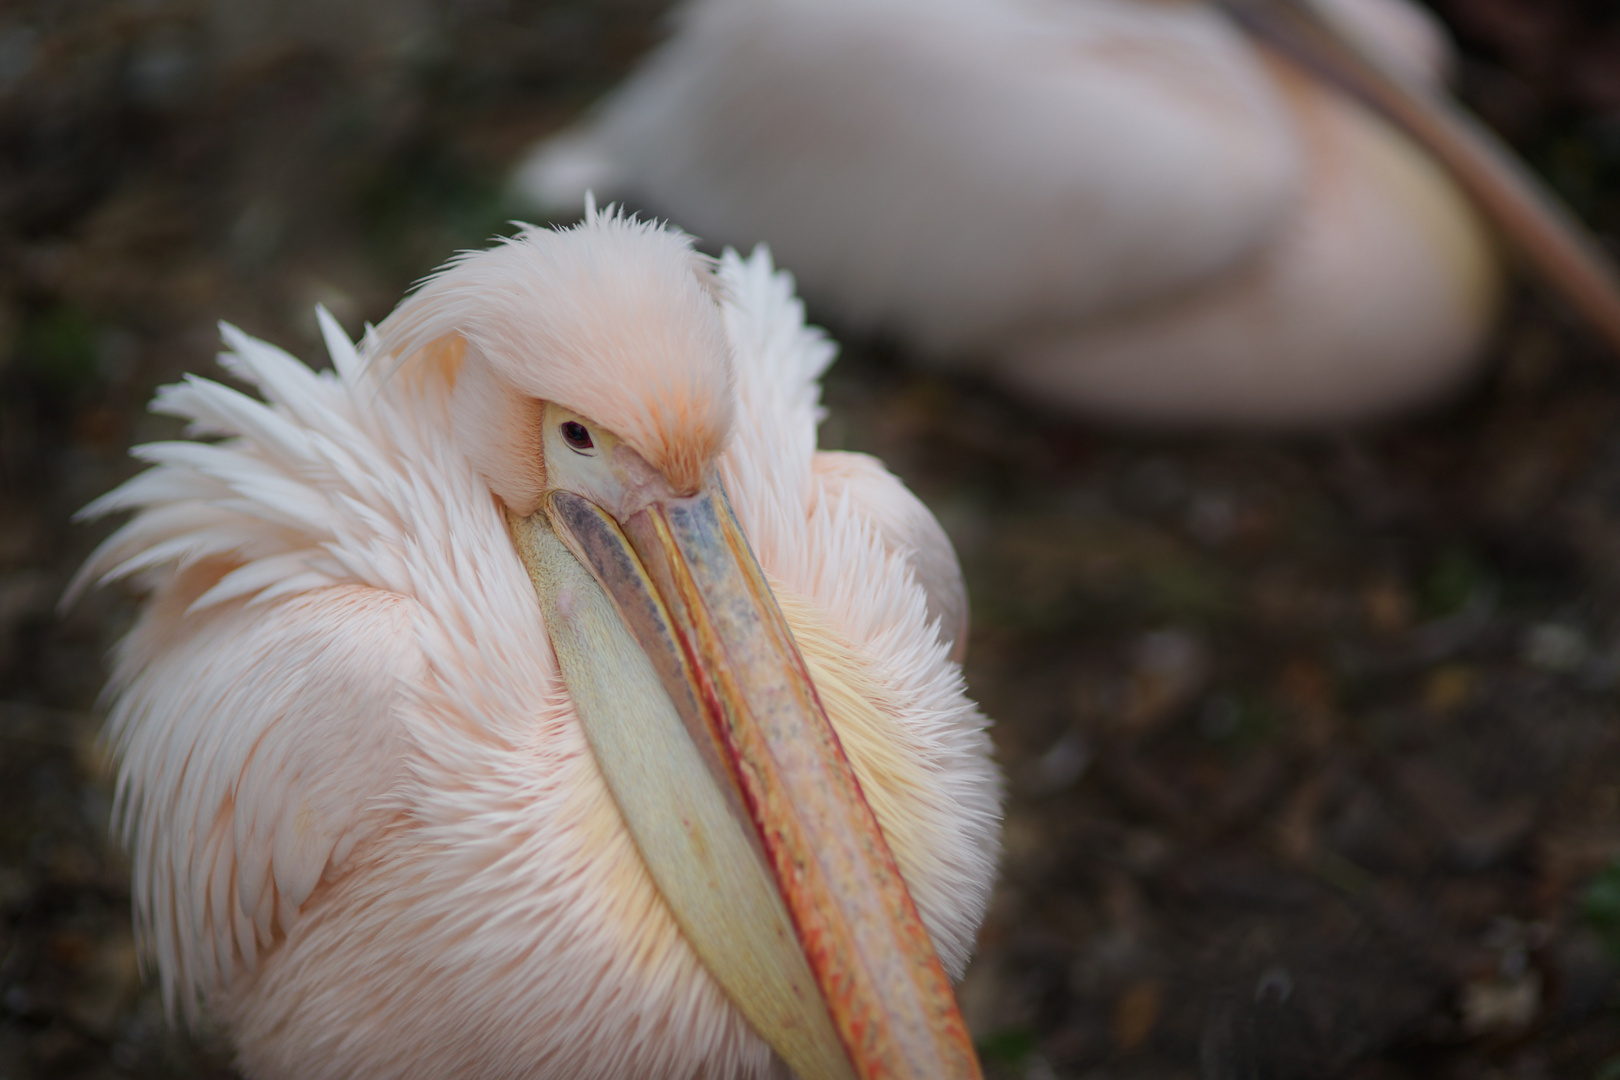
[
  {"x": 906, "y": 528},
  {"x": 255, "y": 744},
  {"x": 255, "y": 702}
]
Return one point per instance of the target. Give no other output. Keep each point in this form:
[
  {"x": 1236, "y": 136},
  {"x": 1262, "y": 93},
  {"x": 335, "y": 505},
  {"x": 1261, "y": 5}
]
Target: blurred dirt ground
[{"x": 1311, "y": 743}]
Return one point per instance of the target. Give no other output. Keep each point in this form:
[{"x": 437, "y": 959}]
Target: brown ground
[{"x": 1312, "y": 742}]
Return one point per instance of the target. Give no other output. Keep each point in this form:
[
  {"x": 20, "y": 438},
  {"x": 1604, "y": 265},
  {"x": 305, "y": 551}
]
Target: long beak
[
  {"x": 687, "y": 588},
  {"x": 1532, "y": 218}
]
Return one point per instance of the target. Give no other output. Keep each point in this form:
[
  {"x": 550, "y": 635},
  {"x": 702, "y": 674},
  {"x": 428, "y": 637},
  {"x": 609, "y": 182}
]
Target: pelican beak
[
  {"x": 809, "y": 908},
  {"x": 1551, "y": 239}
]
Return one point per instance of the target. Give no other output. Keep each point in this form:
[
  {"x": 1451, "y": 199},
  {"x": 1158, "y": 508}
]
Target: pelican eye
[{"x": 576, "y": 436}]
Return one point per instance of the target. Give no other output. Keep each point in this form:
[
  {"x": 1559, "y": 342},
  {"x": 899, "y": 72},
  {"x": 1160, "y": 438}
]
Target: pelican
[
  {"x": 527, "y": 696},
  {"x": 1123, "y": 208}
]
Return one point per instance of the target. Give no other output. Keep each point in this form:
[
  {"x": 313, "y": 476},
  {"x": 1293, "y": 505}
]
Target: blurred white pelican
[
  {"x": 1121, "y": 207},
  {"x": 463, "y": 735}
]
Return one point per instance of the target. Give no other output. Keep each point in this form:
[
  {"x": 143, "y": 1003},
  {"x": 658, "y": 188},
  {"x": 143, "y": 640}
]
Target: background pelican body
[
  {"x": 368, "y": 833},
  {"x": 1120, "y": 207}
]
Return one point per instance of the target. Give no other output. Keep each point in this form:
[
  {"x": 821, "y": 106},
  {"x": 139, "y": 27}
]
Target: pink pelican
[
  {"x": 528, "y": 697},
  {"x": 1124, "y": 208}
]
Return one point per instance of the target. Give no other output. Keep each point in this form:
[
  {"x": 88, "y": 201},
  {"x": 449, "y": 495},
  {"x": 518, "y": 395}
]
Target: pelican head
[
  {"x": 526, "y": 501},
  {"x": 615, "y": 321},
  {"x": 590, "y": 380}
]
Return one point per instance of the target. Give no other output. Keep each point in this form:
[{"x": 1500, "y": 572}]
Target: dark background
[{"x": 1311, "y": 742}]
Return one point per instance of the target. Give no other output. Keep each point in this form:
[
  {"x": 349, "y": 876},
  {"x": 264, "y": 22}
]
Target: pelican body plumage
[
  {"x": 1126, "y": 209},
  {"x": 527, "y": 696}
]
